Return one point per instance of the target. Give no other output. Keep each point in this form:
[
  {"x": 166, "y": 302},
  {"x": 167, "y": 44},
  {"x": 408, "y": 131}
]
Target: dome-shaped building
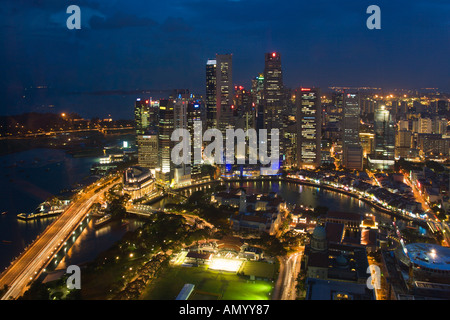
[{"x": 319, "y": 239}]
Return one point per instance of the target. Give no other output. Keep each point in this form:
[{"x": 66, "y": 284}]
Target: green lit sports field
[{"x": 209, "y": 285}]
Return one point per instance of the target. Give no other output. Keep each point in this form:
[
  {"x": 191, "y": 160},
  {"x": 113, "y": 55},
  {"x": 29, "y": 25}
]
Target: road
[
  {"x": 31, "y": 263},
  {"x": 286, "y": 282}
]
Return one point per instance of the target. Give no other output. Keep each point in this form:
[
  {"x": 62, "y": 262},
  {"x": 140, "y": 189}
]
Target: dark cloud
[
  {"x": 120, "y": 20},
  {"x": 176, "y": 25},
  {"x": 165, "y": 44}
]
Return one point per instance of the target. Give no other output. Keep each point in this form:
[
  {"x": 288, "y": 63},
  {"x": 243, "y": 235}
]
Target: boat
[{"x": 102, "y": 221}]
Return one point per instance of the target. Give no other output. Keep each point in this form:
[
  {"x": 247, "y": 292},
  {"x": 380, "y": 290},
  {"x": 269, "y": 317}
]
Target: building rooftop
[{"x": 429, "y": 255}]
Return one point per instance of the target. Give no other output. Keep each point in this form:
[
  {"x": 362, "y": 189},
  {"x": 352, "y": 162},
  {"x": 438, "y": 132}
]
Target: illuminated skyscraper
[
  {"x": 273, "y": 97},
  {"x": 224, "y": 91},
  {"x": 353, "y": 152},
  {"x": 195, "y": 117},
  {"x": 383, "y": 158},
  {"x": 165, "y": 129},
  {"x": 309, "y": 129},
  {"x": 141, "y": 115},
  {"x": 146, "y": 117},
  {"x": 211, "y": 96}
]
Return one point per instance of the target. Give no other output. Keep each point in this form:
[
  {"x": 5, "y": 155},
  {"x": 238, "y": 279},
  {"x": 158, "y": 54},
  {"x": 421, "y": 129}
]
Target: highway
[
  {"x": 31, "y": 263},
  {"x": 286, "y": 282}
]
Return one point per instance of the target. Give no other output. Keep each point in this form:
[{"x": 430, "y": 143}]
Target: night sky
[{"x": 146, "y": 44}]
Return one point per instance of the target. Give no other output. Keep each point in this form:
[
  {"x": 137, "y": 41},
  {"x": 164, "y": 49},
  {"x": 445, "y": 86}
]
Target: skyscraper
[
  {"x": 165, "y": 129},
  {"x": 383, "y": 158},
  {"x": 353, "y": 153},
  {"x": 195, "y": 116},
  {"x": 309, "y": 129},
  {"x": 211, "y": 95},
  {"x": 224, "y": 91},
  {"x": 181, "y": 173},
  {"x": 146, "y": 117},
  {"x": 141, "y": 115},
  {"x": 273, "y": 95}
]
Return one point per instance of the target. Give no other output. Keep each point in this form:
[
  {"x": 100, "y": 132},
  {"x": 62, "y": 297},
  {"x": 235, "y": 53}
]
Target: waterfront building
[{"x": 137, "y": 182}]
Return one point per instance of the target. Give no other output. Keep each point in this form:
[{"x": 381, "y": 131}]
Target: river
[
  {"x": 27, "y": 179},
  {"x": 30, "y": 177}
]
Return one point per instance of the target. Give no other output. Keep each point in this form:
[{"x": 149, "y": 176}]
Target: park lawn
[
  {"x": 259, "y": 269},
  {"x": 216, "y": 284}
]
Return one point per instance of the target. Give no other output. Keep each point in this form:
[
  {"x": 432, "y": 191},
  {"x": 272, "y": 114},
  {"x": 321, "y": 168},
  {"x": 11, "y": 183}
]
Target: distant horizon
[
  {"x": 166, "y": 45},
  {"x": 123, "y": 108}
]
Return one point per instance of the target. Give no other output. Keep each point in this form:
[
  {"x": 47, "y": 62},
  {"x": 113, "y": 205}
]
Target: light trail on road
[{"x": 32, "y": 262}]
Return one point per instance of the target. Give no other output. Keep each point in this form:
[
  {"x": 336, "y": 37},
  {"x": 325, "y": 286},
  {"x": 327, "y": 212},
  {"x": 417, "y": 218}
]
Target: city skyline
[
  {"x": 136, "y": 139},
  {"x": 163, "y": 46}
]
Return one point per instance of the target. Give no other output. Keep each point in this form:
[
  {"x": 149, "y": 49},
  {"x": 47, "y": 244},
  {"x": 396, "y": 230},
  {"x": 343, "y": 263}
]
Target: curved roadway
[{"x": 30, "y": 263}]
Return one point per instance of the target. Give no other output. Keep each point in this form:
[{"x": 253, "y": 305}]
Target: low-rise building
[{"x": 138, "y": 182}]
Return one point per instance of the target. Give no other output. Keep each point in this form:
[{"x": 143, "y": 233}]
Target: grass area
[
  {"x": 208, "y": 285},
  {"x": 259, "y": 269}
]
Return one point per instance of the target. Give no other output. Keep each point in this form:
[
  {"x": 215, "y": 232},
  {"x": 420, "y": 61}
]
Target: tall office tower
[
  {"x": 148, "y": 149},
  {"x": 440, "y": 125},
  {"x": 146, "y": 112},
  {"x": 309, "y": 129},
  {"x": 141, "y": 115},
  {"x": 195, "y": 116},
  {"x": 383, "y": 158},
  {"x": 165, "y": 145},
  {"x": 181, "y": 173},
  {"x": 337, "y": 100},
  {"x": 211, "y": 96},
  {"x": 224, "y": 91},
  {"x": 403, "y": 140},
  {"x": 258, "y": 89},
  {"x": 404, "y": 109},
  {"x": 350, "y": 119},
  {"x": 273, "y": 104},
  {"x": 395, "y": 108},
  {"x": 353, "y": 153},
  {"x": 273, "y": 94}
]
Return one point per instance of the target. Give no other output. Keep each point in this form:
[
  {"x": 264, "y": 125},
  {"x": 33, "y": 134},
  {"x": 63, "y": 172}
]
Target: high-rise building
[
  {"x": 141, "y": 115},
  {"x": 273, "y": 94},
  {"x": 181, "y": 173},
  {"x": 146, "y": 115},
  {"x": 403, "y": 140},
  {"x": 258, "y": 89},
  {"x": 211, "y": 95},
  {"x": 224, "y": 91},
  {"x": 165, "y": 129},
  {"x": 148, "y": 149},
  {"x": 195, "y": 117},
  {"x": 309, "y": 129},
  {"x": 353, "y": 152},
  {"x": 383, "y": 158}
]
